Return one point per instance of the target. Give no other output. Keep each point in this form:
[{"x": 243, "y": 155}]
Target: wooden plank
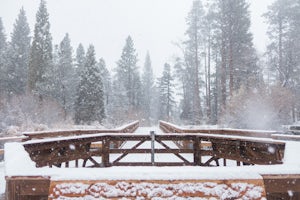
[
  {"x": 105, "y": 153},
  {"x": 27, "y": 187},
  {"x": 159, "y": 164},
  {"x": 148, "y": 151},
  {"x": 12, "y": 139},
  {"x": 286, "y": 137},
  {"x": 170, "y": 128},
  {"x": 64, "y": 133},
  {"x": 282, "y": 183}
]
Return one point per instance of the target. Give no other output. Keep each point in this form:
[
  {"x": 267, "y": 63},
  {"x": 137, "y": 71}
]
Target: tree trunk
[
  {"x": 208, "y": 81},
  {"x": 197, "y": 103}
]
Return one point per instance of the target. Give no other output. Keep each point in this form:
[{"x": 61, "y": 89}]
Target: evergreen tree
[
  {"x": 166, "y": 94},
  {"x": 128, "y": 77},
  {"x": 40, "y": 62},
  {"x": 80, "y": 58},
  {"x": 120, "y": 106},
  {"x": 79, "y": 64},
  {"x": 18, "y": 55},
  {"x": 3, "y": 46},
  {"x": 89, "y": 105},
  {"x": 280, "y": 19},
  {"x": 194, "y": 48},
  {"x": 147, "y": 89},
  {"x": 235, "y": 57},
  {"x": 107, "y": 88},
  {"x": 283, "y": 18},
  {"x": 183, "y": 75},
  {"x": 65, "y": 75}
]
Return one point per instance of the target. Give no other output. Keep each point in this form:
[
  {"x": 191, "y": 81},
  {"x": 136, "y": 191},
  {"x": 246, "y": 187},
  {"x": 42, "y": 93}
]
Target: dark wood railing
[
  {"x": 234, "y": 144},
  {"x": 59, "y": 151},
  {"x": 128, "y": 128}
]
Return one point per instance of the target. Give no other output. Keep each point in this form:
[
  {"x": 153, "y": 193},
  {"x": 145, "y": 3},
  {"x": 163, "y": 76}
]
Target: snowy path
[
  {"x": 147, "y": 145},
  {"x": 146, "y": 130}
]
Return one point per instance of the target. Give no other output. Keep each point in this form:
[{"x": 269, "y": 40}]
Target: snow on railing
[
  {"x": 172, "y": 128},
  {"x": 131, "y": 127}
]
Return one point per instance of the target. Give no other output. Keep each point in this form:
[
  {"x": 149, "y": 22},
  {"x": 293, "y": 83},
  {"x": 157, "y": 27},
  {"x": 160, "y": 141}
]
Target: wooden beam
[
  {"x": 282, "y": 183},
  {"x": 27, "y": 187}
]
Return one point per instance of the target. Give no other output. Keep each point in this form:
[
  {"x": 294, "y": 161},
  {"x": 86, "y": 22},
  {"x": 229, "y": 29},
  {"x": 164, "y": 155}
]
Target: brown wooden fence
[
  {"x": 61, "y": 151},
  {"x": 171, "y": 128},
  {"x": 128, "y": 128}
]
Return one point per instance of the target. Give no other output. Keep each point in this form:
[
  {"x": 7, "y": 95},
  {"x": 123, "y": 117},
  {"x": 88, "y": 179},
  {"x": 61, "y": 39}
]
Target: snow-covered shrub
[
  {"x": 259, "y": 108},
  {"x": 29, "y": 112}
]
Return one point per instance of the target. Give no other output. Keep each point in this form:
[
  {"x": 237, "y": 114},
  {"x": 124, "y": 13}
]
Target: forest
[{"x": 218, "y": 79}]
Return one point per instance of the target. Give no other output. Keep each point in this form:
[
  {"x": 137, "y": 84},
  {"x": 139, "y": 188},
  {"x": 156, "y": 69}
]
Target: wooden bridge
[
  {"x": 243, "y": 150},
  {"x": 105, "y": 148}
]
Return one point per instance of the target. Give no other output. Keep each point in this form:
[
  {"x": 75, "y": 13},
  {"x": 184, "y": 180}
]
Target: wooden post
[
  {"x": 152, "y": 134},
  {"x": 27, "y": 187},
  {"x": 105, "y": 152},
  {"x": 224, "y": 161},
  {"x": 197, "y": 149}
]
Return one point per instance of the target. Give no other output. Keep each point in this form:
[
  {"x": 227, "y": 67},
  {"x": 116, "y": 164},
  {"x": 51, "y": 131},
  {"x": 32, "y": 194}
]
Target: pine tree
[
  {"x": 79, "y": 63},
  {"x": 166, "y": 94},
  {"x": 147, "y": 89},
  {"x": 127, "y": 75},
  {"x": 80, "y": 58},
  {"x": 3, "y": 46},
  {"x": 89, "y": 105},
  {"x": 65, "y": 75},
  {"x": 185, "y": 86},
  {"x": 18, "y": 55},
  {"x": 40, "y": 62},
  {"x": 194, "y": 46},
  {"x": 120, "y": 106},
  {"x": 235, "y": 57},
  {"x": 283, "y": 18},
  {"x": 279, "y": 18},
  {"x": 107, "y": 88}
]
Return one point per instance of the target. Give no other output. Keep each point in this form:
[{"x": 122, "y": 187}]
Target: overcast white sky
[{"x": 153, "y": 24}]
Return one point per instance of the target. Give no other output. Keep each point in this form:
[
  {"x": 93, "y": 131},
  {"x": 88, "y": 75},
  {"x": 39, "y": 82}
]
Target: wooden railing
[
  {"x": 64, "y": 150},
  {"x": 171, "y": 128},
  {"x": 128, "y": 128},
  {"x": 240, "y": 145}
]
